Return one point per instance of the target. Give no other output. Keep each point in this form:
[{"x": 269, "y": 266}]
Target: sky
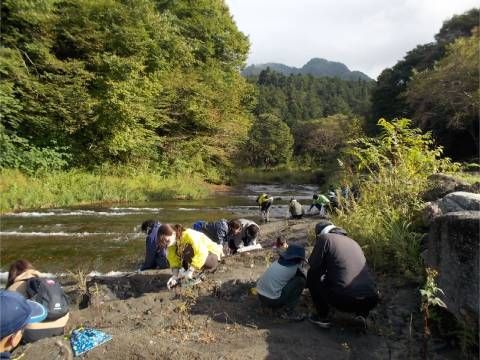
[{"x": 365, "y": 35}]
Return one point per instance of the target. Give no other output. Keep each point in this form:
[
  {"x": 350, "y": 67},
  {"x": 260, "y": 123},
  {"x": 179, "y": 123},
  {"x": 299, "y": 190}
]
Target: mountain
[{"x": 316, "y": 67}]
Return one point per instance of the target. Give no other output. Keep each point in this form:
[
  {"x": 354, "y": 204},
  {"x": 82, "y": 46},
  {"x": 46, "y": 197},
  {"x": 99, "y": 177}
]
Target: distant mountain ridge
[{"x": 316, "y": 67}]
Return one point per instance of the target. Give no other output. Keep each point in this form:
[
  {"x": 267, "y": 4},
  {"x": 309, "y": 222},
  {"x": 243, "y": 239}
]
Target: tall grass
[
  {"x": 283, "y": 175},
  {"x": 21, "y": 191},
  {"x": 390, "y": 173}
]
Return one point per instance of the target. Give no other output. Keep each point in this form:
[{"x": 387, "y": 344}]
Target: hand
[
  {"x": 172, "y": 282},
  {"x": 187, "y": 274}
]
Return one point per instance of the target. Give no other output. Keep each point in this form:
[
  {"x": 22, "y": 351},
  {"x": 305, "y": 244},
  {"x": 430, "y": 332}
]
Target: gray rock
[
  {"x": 453, "y": 250},
  {"x": 441, "y": 185},
  {"x": 453, "y": 202}
]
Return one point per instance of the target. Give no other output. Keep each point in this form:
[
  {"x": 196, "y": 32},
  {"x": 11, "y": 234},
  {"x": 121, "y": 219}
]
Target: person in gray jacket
[
  {"x": 283, "y": 282},
  {"x": 296, "y": 209},
  {"x": 242, "y": 232}
]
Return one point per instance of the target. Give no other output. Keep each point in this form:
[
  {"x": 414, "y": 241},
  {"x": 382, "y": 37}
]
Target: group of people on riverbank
[
  {"x": 338, "y": 277},
  {"x": 33, "y": 307},
  {"x": 323, "y": 203}
]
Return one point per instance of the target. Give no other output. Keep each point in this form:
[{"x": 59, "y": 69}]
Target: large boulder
[
  {"x": 441, "y": 185},
  {"x": 453, "y": 202},
  {"x": 453, "y": 250}
]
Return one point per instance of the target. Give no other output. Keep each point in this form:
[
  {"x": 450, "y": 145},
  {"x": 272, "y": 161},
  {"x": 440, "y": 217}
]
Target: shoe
[
  {"x": 292, "y": 316},
  {"x": 323, "y": 323},
  {"x": 363, "y": 320}
]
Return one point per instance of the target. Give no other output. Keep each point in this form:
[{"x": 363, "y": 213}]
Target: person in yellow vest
[
  {"x": 265, "y": 201},
  {"x": 21, "y": 271},
  {"x": 188, "y": 251}
]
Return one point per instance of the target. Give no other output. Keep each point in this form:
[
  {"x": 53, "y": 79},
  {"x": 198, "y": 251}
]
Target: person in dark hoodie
[
  {"x": 339, "y": 276},
  {"x": 155, "y": 258}
]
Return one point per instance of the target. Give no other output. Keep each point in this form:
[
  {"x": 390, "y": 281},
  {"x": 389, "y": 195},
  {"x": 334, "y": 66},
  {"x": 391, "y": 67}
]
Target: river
[{"x": 108, "y": 238}]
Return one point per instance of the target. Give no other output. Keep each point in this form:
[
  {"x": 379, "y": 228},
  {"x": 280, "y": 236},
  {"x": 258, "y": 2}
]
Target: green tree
[
  {"x": 445, "y": 99},
  {"x": 322, "y": 140},
  {"x": 389, "y": 95},
  {"x": 129, "y": 82},
  {"x": 270, "y": 142}
]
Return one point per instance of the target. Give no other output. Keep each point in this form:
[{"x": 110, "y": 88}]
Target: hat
[
  {"x": 293, "y": 252},
  {"x": 325, "y": 227},
  {"x": 322, "y": 224},
  {"x": 16, "y": 312}
]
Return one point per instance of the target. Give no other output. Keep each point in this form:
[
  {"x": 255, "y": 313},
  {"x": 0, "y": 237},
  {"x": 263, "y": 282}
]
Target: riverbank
[
  {"x": 221, "y": 319},
  {"x": 20, "y": 191}
]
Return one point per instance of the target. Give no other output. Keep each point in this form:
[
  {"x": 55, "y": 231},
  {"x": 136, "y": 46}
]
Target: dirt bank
[{"x": 220, "y": 319}]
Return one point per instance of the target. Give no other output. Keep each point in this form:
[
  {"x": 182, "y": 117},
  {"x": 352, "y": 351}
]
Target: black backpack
[{"x": 50, "y": 294}]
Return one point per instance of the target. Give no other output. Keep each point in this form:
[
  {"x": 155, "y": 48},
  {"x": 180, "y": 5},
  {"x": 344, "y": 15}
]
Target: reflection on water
[{"x": 109, "y": 238}]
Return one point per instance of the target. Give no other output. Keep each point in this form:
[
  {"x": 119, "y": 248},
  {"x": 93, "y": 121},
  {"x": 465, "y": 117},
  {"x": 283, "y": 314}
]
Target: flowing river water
[{"x": 108, "y": 238}]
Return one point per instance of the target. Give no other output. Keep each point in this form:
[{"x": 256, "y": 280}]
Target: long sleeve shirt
[
  {"x": 217, "y": 231},
  {"x": 154, "y": 257},
  {"x": 242, "y": 239},
  {"x": 201, "y": 245},
  {"x": 343, "y": 263}
]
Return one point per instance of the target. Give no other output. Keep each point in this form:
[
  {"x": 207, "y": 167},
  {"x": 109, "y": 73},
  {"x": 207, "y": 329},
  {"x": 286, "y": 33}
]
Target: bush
[{"x": 390, "y": 172}]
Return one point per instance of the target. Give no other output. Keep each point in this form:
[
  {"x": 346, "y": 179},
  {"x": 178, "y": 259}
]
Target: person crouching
[
  {"x": 283, "y": 282},
  {"x": 187, "y": 251},
  {"x": 339, "y": 276}
]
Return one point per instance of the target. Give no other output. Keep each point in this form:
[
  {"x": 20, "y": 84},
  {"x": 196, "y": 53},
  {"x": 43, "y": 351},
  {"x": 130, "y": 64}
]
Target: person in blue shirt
[
  {"x": 215, "y": 230},
  {"x": 155, "y": 257}
]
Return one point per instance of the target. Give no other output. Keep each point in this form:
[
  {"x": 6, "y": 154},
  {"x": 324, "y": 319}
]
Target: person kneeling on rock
[
  {"x": 187, "y": 251},
  {"x": 283, "y": 282},
  {"x": 339, "y": 276}
]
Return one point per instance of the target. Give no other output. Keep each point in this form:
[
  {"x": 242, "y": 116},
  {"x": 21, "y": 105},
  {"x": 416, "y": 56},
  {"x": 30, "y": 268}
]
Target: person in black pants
[{"x": 339, "y": 275}]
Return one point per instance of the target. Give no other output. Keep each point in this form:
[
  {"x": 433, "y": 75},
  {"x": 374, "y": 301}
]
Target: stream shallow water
[{"x": 106, "y": 238}]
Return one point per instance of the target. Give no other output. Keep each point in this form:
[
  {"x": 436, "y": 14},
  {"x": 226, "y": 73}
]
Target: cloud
[{"x": 367, "y": 35}]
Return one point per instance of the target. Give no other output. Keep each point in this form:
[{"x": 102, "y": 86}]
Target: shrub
[{"x": 390, "y": 172}]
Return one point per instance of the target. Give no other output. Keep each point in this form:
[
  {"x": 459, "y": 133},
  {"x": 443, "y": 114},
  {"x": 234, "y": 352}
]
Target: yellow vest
[{"x": 201, "y": 244}]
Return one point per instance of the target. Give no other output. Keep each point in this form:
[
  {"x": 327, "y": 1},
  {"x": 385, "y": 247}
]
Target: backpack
[{"x": 50, "y": 294}]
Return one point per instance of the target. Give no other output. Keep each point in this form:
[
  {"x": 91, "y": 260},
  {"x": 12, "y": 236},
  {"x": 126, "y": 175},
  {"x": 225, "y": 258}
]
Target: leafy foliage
[
  {"x": 270, "y": 142},
  {"x": 323, "y": 139},
  {"x": 445, "y": 99},
  {"x": 389, "y": 173},
  {"x": 127, "y": 82},
  {"x": 389, "y": 96},
  {"x": 302, "y": 97}
]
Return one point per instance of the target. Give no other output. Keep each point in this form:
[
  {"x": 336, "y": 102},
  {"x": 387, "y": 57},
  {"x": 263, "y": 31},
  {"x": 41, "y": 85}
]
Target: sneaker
[
  {"x": 292, "y": 316},
  {"x": 324, "y": 323}
]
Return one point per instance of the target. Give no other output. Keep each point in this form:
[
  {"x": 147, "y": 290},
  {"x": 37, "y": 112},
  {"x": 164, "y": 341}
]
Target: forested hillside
[
  {"x": 145, "y": 83},
  {"x": 320, "y": 114},
  {"x": 436, "y": 85},
  {"x": 316, "y": 67}
]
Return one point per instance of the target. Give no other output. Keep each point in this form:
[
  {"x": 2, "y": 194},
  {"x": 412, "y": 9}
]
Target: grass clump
[
  {"x": 75, "y": 187},
  {"x": 282, "y": 175},
  {"x": 389, "y": 173}
]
